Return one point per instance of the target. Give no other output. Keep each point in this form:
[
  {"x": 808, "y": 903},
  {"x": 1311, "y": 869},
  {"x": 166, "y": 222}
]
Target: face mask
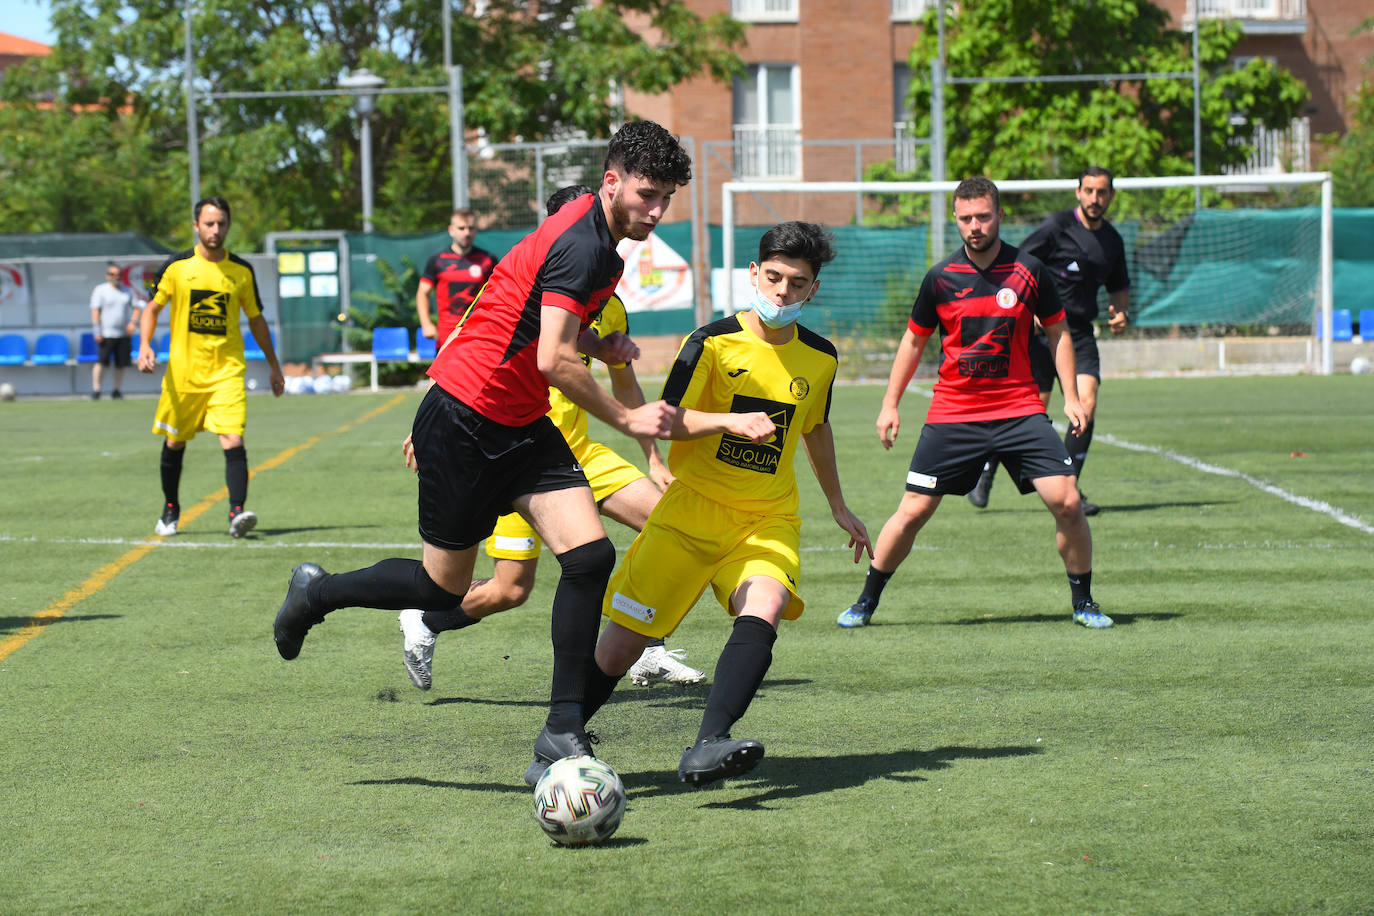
[{"x": 774, "y": 315}]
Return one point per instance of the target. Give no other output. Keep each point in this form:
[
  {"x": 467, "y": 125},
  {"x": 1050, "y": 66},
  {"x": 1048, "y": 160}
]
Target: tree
[
  {"x": 1055, "y": 129},
  {"x": 529, "y": 72},
  {"x": 1351, "y": 157}
]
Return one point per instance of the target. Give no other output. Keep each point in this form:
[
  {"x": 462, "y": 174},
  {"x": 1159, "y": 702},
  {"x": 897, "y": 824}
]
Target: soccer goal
[{"x": 1244, "y": 257}]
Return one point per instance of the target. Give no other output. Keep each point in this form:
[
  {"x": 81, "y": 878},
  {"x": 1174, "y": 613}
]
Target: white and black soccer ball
[
  {"x": 579, "y": 801},
  {"x": 1360, "y": 365},
  {"x": 7, "y": 392}
]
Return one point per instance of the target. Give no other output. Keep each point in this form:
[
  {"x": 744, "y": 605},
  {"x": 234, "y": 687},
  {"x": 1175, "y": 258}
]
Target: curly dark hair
[
  {"x": 563, "y": 195},
  {"x": 804, "y": 241},
  {"x": 646, "y": 149}
]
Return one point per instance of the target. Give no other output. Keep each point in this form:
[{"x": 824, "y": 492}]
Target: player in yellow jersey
[
  {"x": 750, "y": 387},
  {"x": 620, "y": 489},
  {"x": 206, "y": 287}
]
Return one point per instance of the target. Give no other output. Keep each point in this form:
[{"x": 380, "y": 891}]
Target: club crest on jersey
[
  {"x": 763, "y": 457},
  {"x": 800, "y": 388},
  {"x": 1006, "y": 297},
  {"x": 209, "y": 312},
  {"x": 986, "y": 345}
]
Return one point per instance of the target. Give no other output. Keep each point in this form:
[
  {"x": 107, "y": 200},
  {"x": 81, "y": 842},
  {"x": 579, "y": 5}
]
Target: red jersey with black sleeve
[
  {"x": 985, "y": 318},
  {"x": 457, "y": 279},
  {"x": 491, "y": 364}
]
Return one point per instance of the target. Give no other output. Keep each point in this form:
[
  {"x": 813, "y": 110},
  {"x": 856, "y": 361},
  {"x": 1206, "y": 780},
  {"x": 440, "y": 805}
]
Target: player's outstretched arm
[
  {"x": 559, "y": 362},
  {"x": 625, "y": 387},
  {"x": 820, "y": 451},
  {"x": 693, "y": 424},
  {"x": 1066, "y": 367},
  {"x": 904, "y": 363}
]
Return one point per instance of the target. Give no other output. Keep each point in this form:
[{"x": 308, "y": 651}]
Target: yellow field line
[{"x": 102, "y": 576}]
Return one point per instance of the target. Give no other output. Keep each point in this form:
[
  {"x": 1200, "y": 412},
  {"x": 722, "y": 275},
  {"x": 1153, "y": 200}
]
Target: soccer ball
[
  {"x": 322, "y": 384},
  {"x": 1359, "y": 366},
  {"x": 579, "y": 801},
  {"x": 342, "y": 383},
  {"x": 7, "y": 392}
]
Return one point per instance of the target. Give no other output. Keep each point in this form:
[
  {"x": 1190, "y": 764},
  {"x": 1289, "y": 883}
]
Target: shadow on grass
[
  {"x": 661, "y": 695},
  {"x": 781, "y": 778},
  {"x": 1120, "y": 620},
  {"x": 13, "y": 624}
]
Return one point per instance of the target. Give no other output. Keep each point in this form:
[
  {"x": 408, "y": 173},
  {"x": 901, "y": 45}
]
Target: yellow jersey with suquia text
[
  {"x": 724, "y": 367},
  {"x": 204, "y": 299}
]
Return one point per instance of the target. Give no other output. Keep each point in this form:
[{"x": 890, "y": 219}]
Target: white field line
[{"x": 1305, "y": 502}]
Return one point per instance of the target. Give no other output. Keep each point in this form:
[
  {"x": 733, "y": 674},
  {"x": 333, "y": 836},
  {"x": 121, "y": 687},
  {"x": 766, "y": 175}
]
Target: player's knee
[
  {"x": 433, "y": 596},
  {"x": 594, "y": 560}
]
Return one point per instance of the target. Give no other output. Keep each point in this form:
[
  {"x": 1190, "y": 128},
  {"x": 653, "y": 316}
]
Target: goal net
[{"x": 1239, "y": 257}]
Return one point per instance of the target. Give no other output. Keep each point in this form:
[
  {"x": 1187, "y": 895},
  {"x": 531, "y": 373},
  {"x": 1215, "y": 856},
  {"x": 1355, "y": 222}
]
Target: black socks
[
  {"x": 874, "y": 583},
  {"x": 1077, "y": 446},
  {"x": 171, "y": 473},
  {"x": 393, "y": 584},
  {"x": 1081, "y": 586},
  {"x": 575, "y": 621},
  {"x": 236, "y": 476},
  {"x": 739, "y": 672}
]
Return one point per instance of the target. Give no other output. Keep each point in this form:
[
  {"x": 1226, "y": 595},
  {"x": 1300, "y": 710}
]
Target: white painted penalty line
[{"x": 1316, "y": 505}]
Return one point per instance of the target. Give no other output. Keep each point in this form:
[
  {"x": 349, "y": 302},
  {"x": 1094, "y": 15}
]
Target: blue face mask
[{"x": 774, "y": 315}]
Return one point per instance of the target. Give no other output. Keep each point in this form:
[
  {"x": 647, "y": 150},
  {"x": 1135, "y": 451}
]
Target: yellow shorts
[
  {"x": 182, "y": 414},
  {"x": 607, "y": 472},
  {"x": 690, "y": 542}
]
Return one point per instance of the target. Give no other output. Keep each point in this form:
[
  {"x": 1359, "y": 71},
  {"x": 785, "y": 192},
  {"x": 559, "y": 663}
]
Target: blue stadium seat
[
  {"x": 51, "y": 350},
  {"x": 390, "y": 344},
  {"x": 251, "y": 350},
  {"x": 425, "y": 347},
  {"x": 88, "y": 351},
  {"x": 162, "y": 346},
  {"x": 1341, "y": 328},
  {"x": 1367, "y": 325},
  {"x": 133, "y": 345},
  {"x": 14, "y": 349}
]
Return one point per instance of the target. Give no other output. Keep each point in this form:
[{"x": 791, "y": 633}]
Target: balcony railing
[
  {"x": 768, "y": 152},
  {"x": 764, "y": 10},
  {"x": 1277, "y": 150},
  {"x": 1256, "y": 16}
]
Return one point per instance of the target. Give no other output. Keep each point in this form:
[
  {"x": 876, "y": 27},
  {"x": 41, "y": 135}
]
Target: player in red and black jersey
[
  {"x": 455, "y": 276},
  {"x": 984, "y": 300},
  {"x": 485, "y": 447},
  {"x": 1083, "y": 252}
]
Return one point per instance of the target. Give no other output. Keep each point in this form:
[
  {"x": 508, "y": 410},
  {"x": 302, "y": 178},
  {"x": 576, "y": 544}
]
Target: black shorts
[
  {"x": 472, "y": 468},
  {"x": 1084, "y": 356},
  {"x": 114, "y": 351},
  {"x": 950, "y": 456}
]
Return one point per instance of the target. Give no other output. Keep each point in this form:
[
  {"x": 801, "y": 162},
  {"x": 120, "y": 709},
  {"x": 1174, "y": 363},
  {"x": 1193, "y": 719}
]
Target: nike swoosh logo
[{"x": 737, "y": 373}]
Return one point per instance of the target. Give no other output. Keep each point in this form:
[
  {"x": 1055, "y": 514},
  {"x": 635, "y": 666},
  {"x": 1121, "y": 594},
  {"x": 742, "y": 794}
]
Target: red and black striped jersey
[
  {"x": 457, "y": 279},
  {"x": 490, "y": 363},
  {"x": 985, "y": 318}
]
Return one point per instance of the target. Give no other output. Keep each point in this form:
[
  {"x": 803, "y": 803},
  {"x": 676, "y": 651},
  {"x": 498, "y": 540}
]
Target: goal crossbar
[{"x": 939, "y": 188}]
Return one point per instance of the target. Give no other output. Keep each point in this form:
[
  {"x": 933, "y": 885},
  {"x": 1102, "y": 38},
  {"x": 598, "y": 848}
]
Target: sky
[{"x": 27, "y": 19}]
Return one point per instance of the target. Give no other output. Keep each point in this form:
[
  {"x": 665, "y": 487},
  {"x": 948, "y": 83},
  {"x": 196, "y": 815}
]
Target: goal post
[{"x": 1259, "y": 251}]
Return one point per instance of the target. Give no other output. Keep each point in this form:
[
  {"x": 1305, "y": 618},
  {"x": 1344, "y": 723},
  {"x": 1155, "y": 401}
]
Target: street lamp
[{"x": 360, "y": 81}]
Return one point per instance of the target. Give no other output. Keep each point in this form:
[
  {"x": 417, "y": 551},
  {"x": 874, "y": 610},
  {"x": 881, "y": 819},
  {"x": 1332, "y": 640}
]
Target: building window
[
  {"x": 903, "y": 130},
  {"x": 767, "y": 122},
  {"x": 909, "y": 10},
  {"x": 764, "y": 10}
]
